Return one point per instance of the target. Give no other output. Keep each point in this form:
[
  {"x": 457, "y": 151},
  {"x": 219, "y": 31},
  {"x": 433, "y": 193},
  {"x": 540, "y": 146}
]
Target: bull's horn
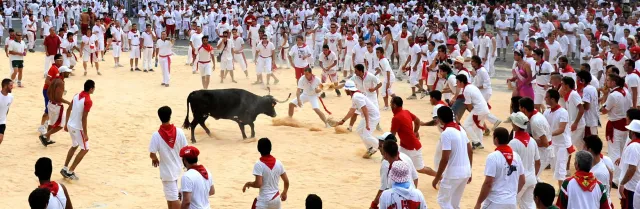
[{"x": 284, "y": 101}]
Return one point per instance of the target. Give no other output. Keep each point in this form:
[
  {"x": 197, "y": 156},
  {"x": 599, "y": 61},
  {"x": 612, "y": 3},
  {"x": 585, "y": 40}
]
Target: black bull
[{"x": 233, "y": 104}]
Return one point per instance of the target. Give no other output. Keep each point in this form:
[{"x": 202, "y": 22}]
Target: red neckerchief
[
  {"x": 207, "y": 47},
  {"x": 442, "y": 103},
  {"x": 618, "y": 56},
  {"x": 452, "y": 125},
  {"x": 168, "y": 134},
  {"x": 311, "y": 80},
  {"x": 235, "y": 37},
  {"x": 358, "y": 91},
  {"x": 568, "y": 69},
  {"x": 463, "y": 69},
  {"x": 268, "y": 160},
  {"x": 620, "y": 90},
  {"x": 566, "y": 96},
  {"x": 350, "y": 38},
  {"x": 586, "y": 180},
  {"x": 125, "y": 20},
  {"x": 83, "y": 94},
  {"x": 553, "y": 109},
  {"x": 539, "y": 64},
  {"x": 636, "y": 72},
  {"x": 634, "y": 140},
  {"x": 463, "y": 49},
  {"x": 404, "y": 34},
  {"x": 52, "y": 186},
  {"x": 507, "y": 152},
  {"x": 522, "y": 136},
  {"x": 533, "y": 113},
  {"x": 201, "y": 170},
  {"x": 134, "y": 30}
]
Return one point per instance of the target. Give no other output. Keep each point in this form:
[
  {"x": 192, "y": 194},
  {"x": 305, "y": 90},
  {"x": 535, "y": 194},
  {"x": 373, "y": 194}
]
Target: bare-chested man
[
  {"x": 87, "y": 18},
  {"x": 55, "y": 90}
]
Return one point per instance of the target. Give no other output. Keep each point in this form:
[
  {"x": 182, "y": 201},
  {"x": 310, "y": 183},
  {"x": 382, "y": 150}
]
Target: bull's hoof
[{"x": 193, "y": 141}]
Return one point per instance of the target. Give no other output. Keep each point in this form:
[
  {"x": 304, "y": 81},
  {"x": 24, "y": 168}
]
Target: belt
[
  {"x": 204, "y": 62},
  {"x": 116, "y": 41},
  {"x": 148, "y": 46},
  {"x": 265, "y": 57},
  {"x": 135, "y": 45},
  {"x": 540, "y": 85}
]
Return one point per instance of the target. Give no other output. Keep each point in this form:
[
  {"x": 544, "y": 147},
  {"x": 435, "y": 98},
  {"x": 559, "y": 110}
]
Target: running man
[
  {"x": 197, "y": 181},
  {"x": 309, "y": 86},
  {"x": 5, "y": 102},
  {"x": 300, "y": 56},
  {"x": 55, "y": 106},
  {"x": 165, "y": 51},
  {"x": 59, "y": 197},
  {"x": 206, "y": 64},
  {"x": 329, "y": 65},
  {"x": 76, "y": 125},
  {"x": 361, "y": 105},
  {"x": 407, "y": 125},
  {"x": 168, "y": 141},
  {"x": 17, "y": 52},
  {"x": 52, "y": 74},
  {"x": 268, "y": 172}
]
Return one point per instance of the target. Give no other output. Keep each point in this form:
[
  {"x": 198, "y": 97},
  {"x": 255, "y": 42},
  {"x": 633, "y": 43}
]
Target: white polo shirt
[
  {"x": 309, "y": 87},
  {"x": 473, "y": 96},
  {"x": 572, "y": 103},
  {"x": 99, "y": 31},
  {"x": 590, "y": 96},
  {"x": 348, "y": 45},
  {"x": 372, "y": 59},
  {"x": 386, "y": 182},
  {"x": 458, "y": 166},
  {"x": 359, "y": 100},
  {"x": 505, "y": 187},
  {"x": 5, "y": 103},
  {"x": 192, "y": 181},
  {"x": 270, "y": 179},
  {"x": 617, "y": 105},
  {"x": 80, "y": 105},
  {"x": 170, "y": 161},
  {"x": 529, "y": 154},
  {"x": 16, "y": 47},
  {"x": 265, "y": 51},
  {"x": 196, "y": 39},
  {"x": 555, "y": 118},
  {"x": 358, "y": 53},
  {"x": 298, "y": 52},
  {"x": 148, "y": 39},
  {"x": 164, "y": 47},
  {"x": 384, "y": 68},
  {"x": 328, "y": 60},
  {"x": 134, "y": 38}
]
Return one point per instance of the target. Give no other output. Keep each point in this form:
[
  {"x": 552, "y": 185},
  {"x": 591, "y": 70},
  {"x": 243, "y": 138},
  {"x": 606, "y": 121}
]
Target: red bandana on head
[
  {"x": 168, "y": 134},
  {"x": 586, "y": 180},
  {"x": 268, "y": 160},
  {"x": 507, "y": 152},
  {"x": 52, "y": 186}
]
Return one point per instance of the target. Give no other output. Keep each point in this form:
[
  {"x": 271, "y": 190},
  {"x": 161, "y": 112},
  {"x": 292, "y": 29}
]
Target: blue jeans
[{"x": 46, "y": 101}]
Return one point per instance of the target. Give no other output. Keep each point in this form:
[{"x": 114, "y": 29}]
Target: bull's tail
[{"x": 186, "y": 124}]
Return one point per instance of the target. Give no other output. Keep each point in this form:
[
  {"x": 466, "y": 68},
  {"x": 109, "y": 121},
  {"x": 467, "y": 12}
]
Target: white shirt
[
  {"x": 385, "y": 68},
  {"x": 203, "y": 55},
  {"x": 555, "y": 118},
  {"x": 227, "y": 53},
  {"x": 134, "y": 38},
  {"x": 170, "y": 160},
  {"x": 572, "y": 107},
  {"x": 482, "y": 79},
  {"x": 473, "y": 96},
  {"x": 45, "y": 28},
  {"x": 192, "y": 181},
  {"x": 458, "y": 166},
  {"x": 590, "y": 96},
  {"x": 116, "y": 33},
  {"x": 617, "y": 105},
  {"x": 5, "y": 103},
  {"x": 79, "y": 107},
  {"x": 265, "y": 51},
  {"x": 332, "y": 40},
  {"x": 327, "y": 60},
  {"x": 399, "y": 197},
  {"x": 541, "y": 72},
  {"x": 555, "y": 49},
  {"x": 386, "y": 182},
  {"x": 505, "y": 187},
  {"x": 196, "y": 40},
  {"x": 238, "y": 42},
  {"x": 630, "y": 157},
  {"x": 309, "y": 87},
  {"x": 601, "y": 172},
  {"x": 18, "y": 47},
  {"x": 359, "y": 100},
  {"x": 298, "y": 53},
  {"x": 164, "y": 47},
  {"x": 372, "y": 59},
  {"x": 147, "y": 39},
  {"x": 99, "y": 31},
  {"x": 59, "y": 201},
  {"x": 632, "y": 80},
  {"x": 270, "y": 179},
  {"x": 529, "y": 155}
]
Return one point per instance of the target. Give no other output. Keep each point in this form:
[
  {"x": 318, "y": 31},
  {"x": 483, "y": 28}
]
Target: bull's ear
[{"x": 274, "y": 104}]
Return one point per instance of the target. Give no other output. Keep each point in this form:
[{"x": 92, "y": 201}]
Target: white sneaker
[
  {"x": 385, "y": 109},
  {"x": 42, "y": 130},
  {"x": 326, "y": 125}
]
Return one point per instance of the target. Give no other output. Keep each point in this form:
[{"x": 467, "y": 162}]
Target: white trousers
[
  {"x": 370, "y": 141},
  {"x": 491, "y": 205},
  {"x": 525, "y": 197},
  {"x": 545, "y": 158},
  {"x": 614, "y": 149},
  {"x": 189, "y": 57},
  {"x": 48, "y": 61},
  {"x": 559, "y": 164},
  {"x": 490, "y": 65},
  {"x": 239, "y": 59},
  {"x": 474, "y": 132},
  {"x": 125, "y": 43},
  {"x": 165, "y": 65},
  {"x": 450, "y": 192},
  {"x": 577, "y": 137},
  {"x": 31, "y": 37},
  {"x": 7, "y": 22},
  {"x": 147, "y": 62},
  {"x": 117, "y": 49}
]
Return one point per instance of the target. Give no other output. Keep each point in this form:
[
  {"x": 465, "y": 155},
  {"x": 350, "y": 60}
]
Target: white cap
[
  {"x": 399, "y": 172},
  {"x": 519, "y": 119},
  {"x": 65, "y": 69},
  {"x": 604, "y": 38},
  {"x": 384, "y": 136},
  {"x": 634, "y": 126},
  {"x": 350, "y": 85}
]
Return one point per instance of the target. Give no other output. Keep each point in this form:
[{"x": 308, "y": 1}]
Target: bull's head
[{"x": 270, "y": 103}]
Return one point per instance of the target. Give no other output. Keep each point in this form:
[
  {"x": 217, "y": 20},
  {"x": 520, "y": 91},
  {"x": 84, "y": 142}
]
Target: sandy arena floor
[{"x": 117, "y": 172}]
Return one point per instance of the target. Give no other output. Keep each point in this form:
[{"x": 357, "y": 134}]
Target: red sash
[{"x": 617, "y": 125}]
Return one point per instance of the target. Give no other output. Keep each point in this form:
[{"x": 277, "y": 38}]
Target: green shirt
[{"x": 552, "y": 207}]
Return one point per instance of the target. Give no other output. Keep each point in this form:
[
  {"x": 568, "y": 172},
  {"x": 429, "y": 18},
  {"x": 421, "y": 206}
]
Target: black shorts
[
  {"x": 17, "y": 63},
  {"x": 108, "y": 33},
  {"x": 2, "y": 128}
]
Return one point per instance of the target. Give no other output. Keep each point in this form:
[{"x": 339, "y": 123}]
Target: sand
[{"x": 117, "y": 172}]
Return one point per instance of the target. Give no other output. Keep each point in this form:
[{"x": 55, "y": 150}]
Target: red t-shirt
[
  {"x": 52, "y": 74},
  {"x": 53, "y": 43},
  {"x": 402, "y": 123}
]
